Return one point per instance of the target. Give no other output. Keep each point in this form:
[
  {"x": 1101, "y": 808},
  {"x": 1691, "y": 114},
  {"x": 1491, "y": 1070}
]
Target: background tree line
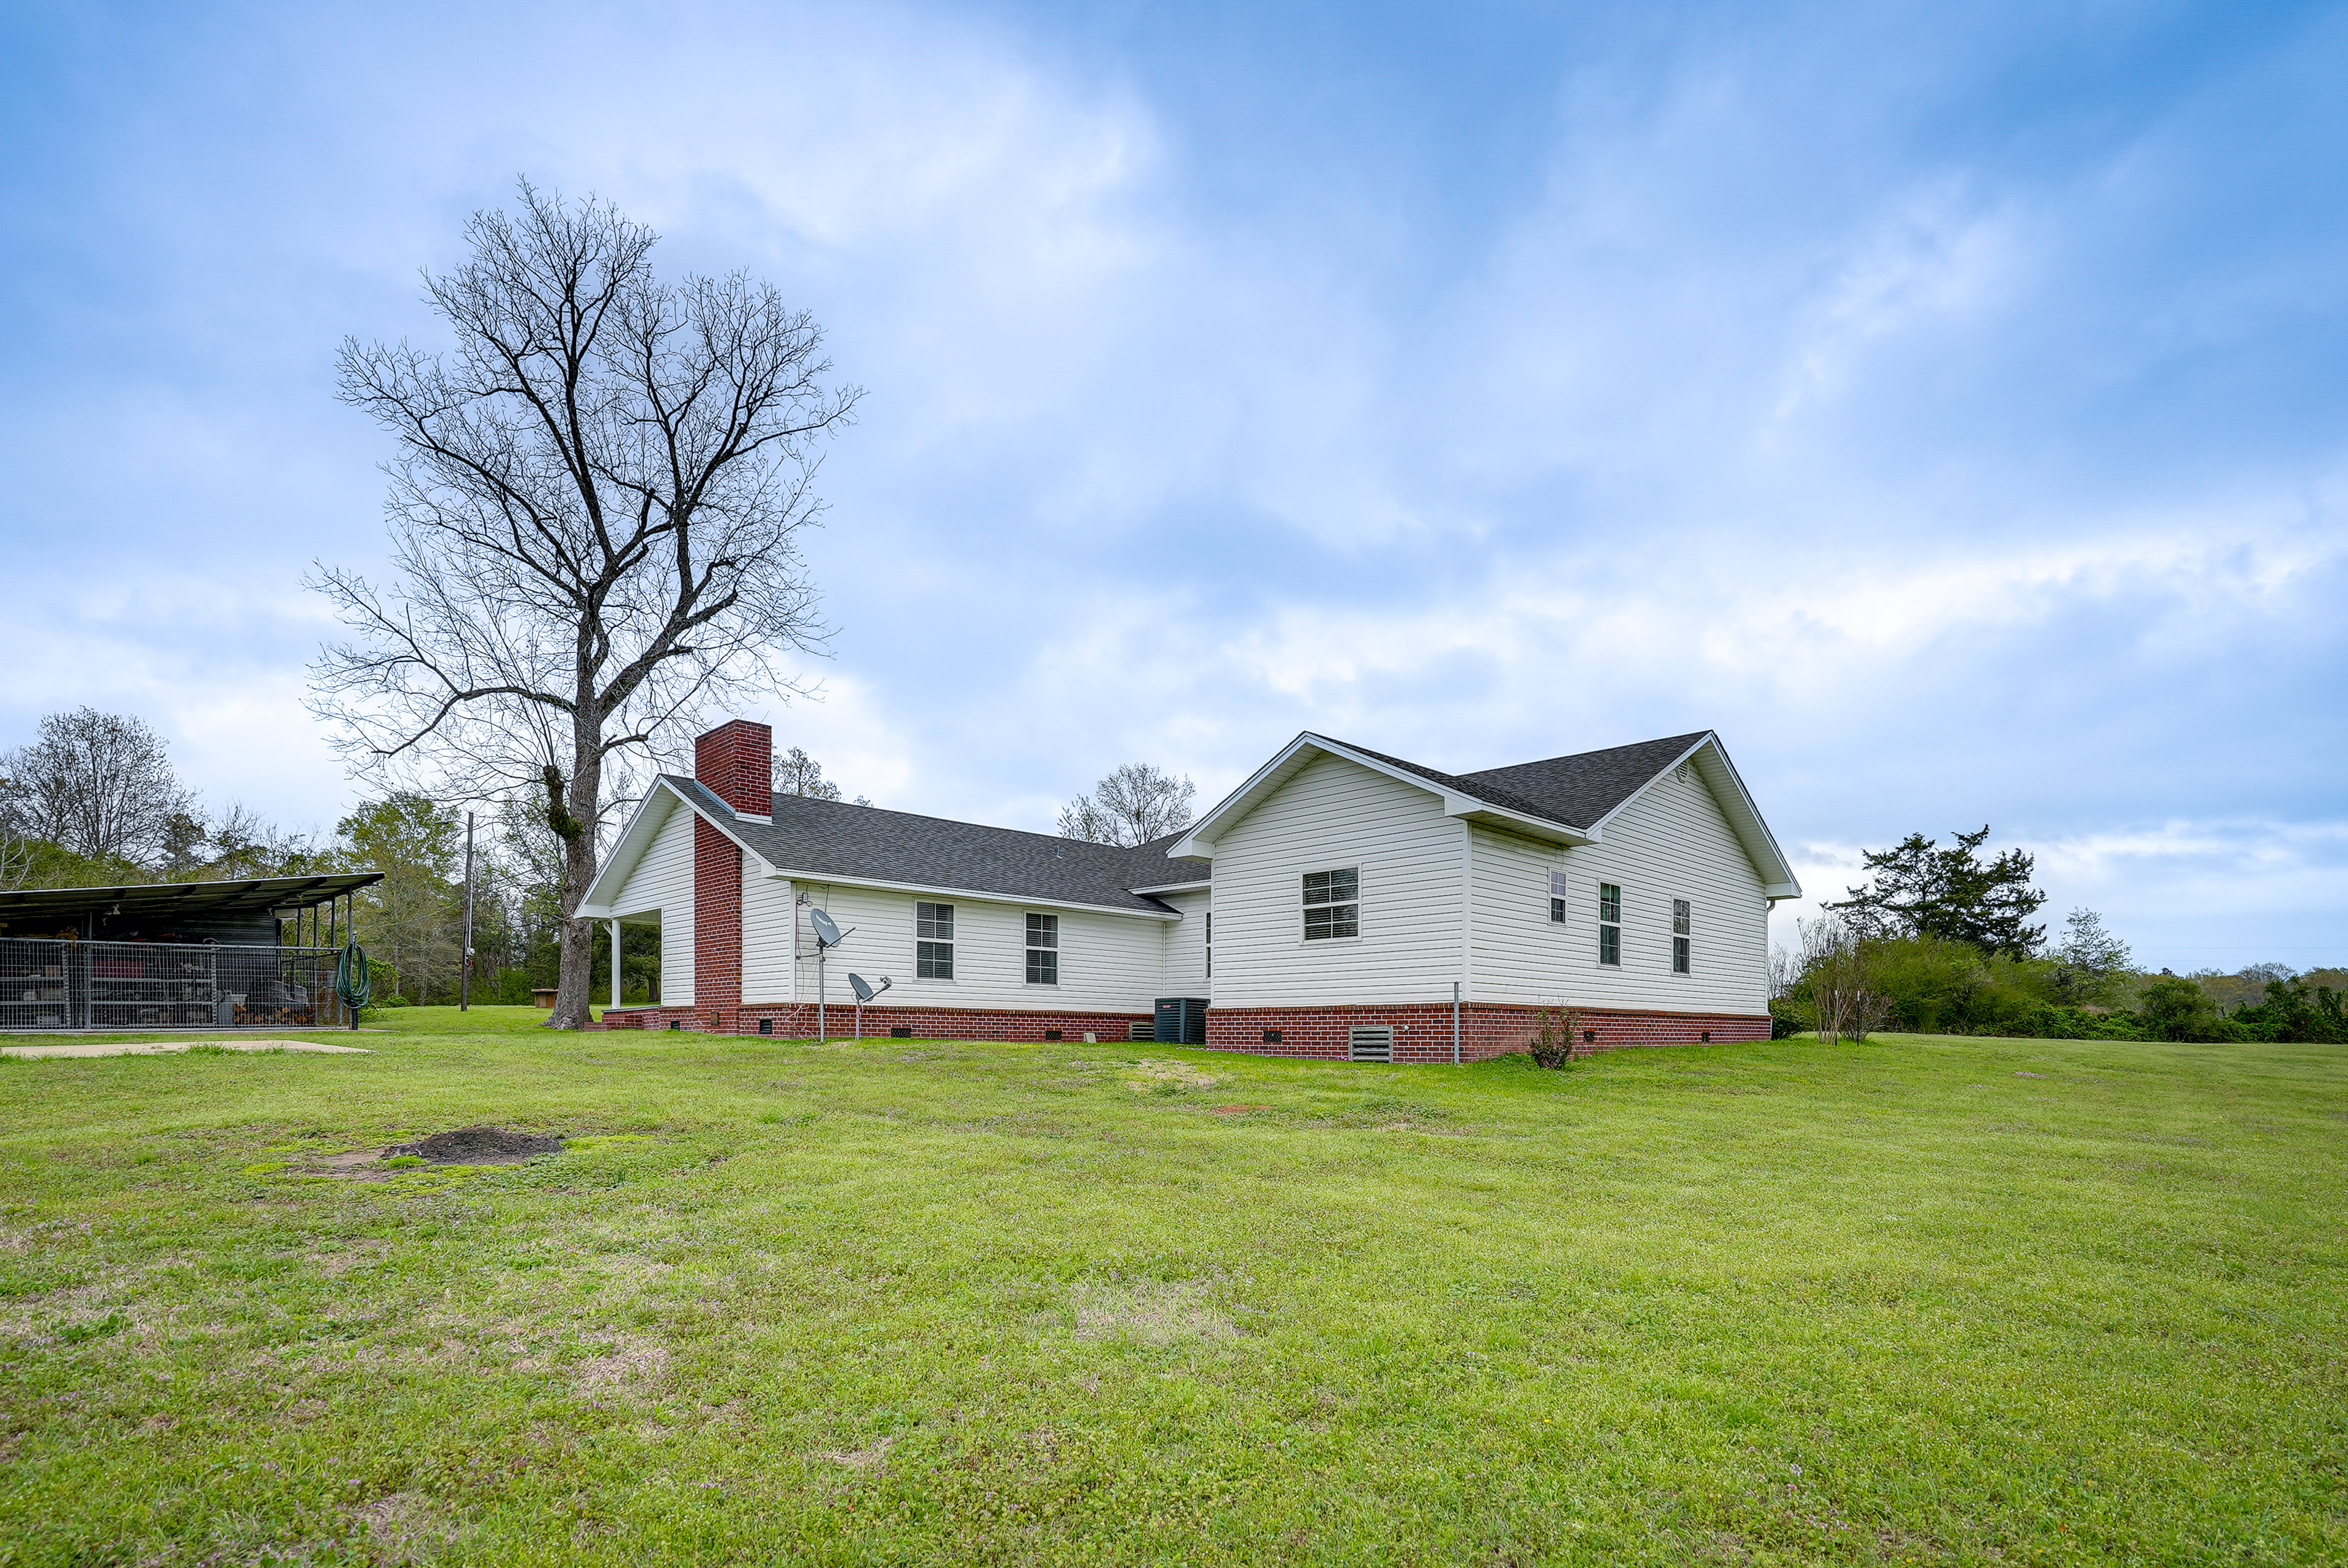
[
  {"x": 1938, "y": 941},
  {"x": 93, "y": 801}
]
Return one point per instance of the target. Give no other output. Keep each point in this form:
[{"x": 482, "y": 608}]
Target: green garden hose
[{"x": 350, "y": 981}]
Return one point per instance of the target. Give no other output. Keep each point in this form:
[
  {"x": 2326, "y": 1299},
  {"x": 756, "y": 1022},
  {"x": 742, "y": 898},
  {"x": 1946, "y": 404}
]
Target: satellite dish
[
  {"x": 825, "y": 931},
  {"x": 864, "y": 993}
]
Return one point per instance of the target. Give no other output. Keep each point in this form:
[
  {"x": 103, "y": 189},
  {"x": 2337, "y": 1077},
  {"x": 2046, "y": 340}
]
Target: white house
[{"x": 1340, "y": 903}]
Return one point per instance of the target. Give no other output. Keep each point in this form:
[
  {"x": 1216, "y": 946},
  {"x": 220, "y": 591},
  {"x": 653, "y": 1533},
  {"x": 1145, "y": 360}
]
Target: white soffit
[{"x": 651, "y": 814}]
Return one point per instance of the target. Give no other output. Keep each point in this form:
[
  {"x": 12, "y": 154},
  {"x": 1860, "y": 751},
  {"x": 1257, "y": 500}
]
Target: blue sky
[{"x": 1945, "y": 404}]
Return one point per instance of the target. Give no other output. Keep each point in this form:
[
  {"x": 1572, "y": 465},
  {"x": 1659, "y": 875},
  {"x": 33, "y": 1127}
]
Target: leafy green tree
[
  {"x": 2174, "y": 1008},
  {"x": 411, "y": 919},
  {"x": 1920, "y": 889},
  {"x": 2089, "y": 961}
]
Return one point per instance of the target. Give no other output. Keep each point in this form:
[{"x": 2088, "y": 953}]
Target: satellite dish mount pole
[{"x": 826, "y": 936}]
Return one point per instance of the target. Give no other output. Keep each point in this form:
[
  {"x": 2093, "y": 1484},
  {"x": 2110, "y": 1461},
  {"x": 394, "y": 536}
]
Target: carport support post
[
  {"x": 615, "y": 961},
  {"x": 1455, "y": 1023}
]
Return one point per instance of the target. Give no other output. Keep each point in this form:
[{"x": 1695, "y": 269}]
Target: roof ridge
[
  {"x": 1052, "y": 838},
  {"x": 1691, "y": 736}
]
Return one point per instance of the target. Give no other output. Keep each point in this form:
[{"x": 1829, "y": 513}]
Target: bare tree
[
  {"x": 16, "y": 846},
  {"x": 796, "y": 772},
  {"x": 1835, "y": 966},
  {"x": 98, "y": 785},
  {"x": 594, "y": 515},
  {"x": 1136, "y": 803}
]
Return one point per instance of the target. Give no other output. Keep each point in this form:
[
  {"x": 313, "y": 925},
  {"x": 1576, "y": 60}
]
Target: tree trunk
[{"x": 574, "y": 977}]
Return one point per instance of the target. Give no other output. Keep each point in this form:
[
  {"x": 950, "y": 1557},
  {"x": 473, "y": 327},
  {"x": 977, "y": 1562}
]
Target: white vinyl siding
[
  {"x": 1673, "y": 843},
  {"x": 766, "y": 938},
  {"x": 1107, "y": 963},
  {"x": 662, "y": 883},
  {"x": 1185, "y": 973},
  {"x": 1334, "y": 813}
]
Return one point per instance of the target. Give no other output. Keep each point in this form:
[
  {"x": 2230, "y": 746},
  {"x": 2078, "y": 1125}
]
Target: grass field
[{"x": 1921, "y": 1300}]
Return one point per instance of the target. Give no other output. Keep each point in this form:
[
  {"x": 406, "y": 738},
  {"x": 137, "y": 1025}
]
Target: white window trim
[
  {"x": 1304, "y": 908},
  {"x": 1028, "y": 947}
]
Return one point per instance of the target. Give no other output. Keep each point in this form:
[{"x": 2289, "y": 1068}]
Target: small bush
[{"x": 1554, "y": 1031}]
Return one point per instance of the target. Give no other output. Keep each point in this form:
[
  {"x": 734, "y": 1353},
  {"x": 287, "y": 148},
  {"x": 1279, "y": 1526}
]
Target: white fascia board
[
  {"x": 1709, "y": 758},
  {"x": 651, "y": 814},
  {"x": 1199, "y": 887},
  {"x": 1200, "y": 842},
  {"x": 835, "y": 880}
]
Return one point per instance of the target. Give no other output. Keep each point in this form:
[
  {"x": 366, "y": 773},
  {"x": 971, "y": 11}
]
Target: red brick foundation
[
  {"x": 796, "y": 1020},
  {"x": 1423, "y": 1031}
]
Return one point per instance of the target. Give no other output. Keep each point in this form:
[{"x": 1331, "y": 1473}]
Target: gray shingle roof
[
  {"x": 1575, "y": 791},
  {"x": 829, "y": 837}
]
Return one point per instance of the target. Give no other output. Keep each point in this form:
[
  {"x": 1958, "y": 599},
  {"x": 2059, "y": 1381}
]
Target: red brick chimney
[{"x": 737, "y": 761}]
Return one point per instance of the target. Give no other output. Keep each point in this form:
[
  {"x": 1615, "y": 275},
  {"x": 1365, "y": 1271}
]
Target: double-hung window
[
  {"x": 1332, "y": 907},
  {"x": 1680, "y": 922},
  {"x": 1610, "y": 923},
  {"x": 933, "y": 942},
  {"x": 1043, "y": 949},
  {"x": 1557, "y": 897}
]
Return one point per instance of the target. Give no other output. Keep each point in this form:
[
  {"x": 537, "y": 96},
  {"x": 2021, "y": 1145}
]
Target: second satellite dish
[
  {"x": 863, "y": 992},
  {"x": 825, "y": 931}
]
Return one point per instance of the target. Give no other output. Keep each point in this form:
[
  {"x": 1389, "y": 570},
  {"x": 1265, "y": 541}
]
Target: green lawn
[{"x": 915, "y": 1301}]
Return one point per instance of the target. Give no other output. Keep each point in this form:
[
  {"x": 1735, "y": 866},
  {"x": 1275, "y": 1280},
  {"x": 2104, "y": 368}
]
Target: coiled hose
[{"x": 350, "y": 981}]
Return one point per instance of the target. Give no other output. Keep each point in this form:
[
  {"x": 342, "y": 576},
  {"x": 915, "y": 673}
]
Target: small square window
[
  {"x": 1051, "y": 1034},
  {"x": 1330, "y": 909},
  {"x": 1271, "y": 1037}
]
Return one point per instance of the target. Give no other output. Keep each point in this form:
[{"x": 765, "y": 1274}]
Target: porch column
[{"x": 615, "y": 963}]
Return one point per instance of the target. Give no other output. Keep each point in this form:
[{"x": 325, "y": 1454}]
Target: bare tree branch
[{"x": 595, "y": 510}]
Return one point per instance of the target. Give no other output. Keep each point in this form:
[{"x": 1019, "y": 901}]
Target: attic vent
[
  {"x": 1681, "y": 772},
  {"x": 1372, "y": 1043}
]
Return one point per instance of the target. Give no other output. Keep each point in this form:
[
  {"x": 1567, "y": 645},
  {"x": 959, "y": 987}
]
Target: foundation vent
[{"x": 1370, "y": 1043}]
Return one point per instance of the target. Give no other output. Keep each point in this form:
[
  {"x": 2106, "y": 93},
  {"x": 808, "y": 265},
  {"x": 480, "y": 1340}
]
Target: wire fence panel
[{"x": 64, "y": 985}]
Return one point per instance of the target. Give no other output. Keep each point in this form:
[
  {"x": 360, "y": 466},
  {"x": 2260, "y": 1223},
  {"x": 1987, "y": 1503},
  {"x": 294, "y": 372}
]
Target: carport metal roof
[{"x": 251, "y": 897}]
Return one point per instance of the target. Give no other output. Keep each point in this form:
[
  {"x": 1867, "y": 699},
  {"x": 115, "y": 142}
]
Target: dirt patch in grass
[
  {"x": 483, "y": 1145},
  {"x": 406, "y": 1526},
  {"x": 867, "y": 1458},
  {"x": 1150, "y": 1075},
  {"x": 1156, "y": 1312},
  {"x": 632, "y": 1358}
]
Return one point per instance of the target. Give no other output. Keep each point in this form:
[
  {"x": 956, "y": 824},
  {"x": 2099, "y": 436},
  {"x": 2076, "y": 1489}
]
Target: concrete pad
[{"x": 168, "y": 1046}]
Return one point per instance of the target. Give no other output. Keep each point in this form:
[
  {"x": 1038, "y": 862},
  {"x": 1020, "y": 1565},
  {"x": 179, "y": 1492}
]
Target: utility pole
[{"x": 465, "y": 967}]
